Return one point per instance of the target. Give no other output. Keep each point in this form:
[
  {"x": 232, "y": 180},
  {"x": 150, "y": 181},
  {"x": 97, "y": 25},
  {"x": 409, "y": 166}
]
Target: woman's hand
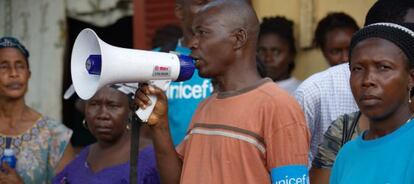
[
  {"x": 159, "y": 115},
  {"x": 9, "y": 176}
]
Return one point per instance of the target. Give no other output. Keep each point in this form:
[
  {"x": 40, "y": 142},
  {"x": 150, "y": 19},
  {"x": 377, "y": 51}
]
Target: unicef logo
[
  {"x": 190, "y": 91},
  {"x": 291, "y": 174},
  {"x": 294, "y": 180}
]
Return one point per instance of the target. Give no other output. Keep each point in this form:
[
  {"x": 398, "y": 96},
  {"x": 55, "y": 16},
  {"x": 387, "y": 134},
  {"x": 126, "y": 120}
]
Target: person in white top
[
  {"x": 325, "y": 96},
  {"x": 276, "y": 49}
]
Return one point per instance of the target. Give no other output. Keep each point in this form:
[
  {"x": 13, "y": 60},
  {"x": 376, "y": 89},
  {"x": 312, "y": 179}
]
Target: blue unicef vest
[{"x": 183, "y": 99}]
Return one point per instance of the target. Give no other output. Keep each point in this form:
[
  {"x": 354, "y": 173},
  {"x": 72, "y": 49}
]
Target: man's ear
[
  {"x": 179, "y": 11},
  {"x": 240, "y": 38}
]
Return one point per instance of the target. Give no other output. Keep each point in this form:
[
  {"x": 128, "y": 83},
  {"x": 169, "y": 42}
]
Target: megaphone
[{"x": 95, "y": 64}]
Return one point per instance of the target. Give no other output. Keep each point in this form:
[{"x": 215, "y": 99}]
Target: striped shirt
[{"x": 238, "y": 137}]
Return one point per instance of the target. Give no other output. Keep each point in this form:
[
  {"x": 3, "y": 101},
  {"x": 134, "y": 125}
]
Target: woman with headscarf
[
  {"x": 108, "y": 116},
  {"x": 382, "y": 76},
  {"x": 40, "y": 144}
]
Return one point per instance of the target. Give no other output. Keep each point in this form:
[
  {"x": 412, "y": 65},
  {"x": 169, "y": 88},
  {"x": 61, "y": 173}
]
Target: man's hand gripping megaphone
[{"x": 152, "y": 102}]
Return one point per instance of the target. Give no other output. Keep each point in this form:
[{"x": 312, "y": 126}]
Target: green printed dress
[{"x": 38, "y": 150}]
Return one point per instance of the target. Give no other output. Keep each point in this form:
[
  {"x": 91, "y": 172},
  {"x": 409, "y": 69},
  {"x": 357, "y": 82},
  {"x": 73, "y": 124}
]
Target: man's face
[{"x": 212, "y": 44}]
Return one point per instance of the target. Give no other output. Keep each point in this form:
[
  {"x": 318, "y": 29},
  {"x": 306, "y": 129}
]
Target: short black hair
[
  {"x": 332, "y": 21},
  {"x": 280, "y": 26},
  {"x": 388, "y": 11}
]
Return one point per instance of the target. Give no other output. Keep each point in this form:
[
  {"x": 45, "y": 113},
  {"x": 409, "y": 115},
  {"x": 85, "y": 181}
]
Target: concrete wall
[
  {"x": 41, "y": 28},
  {"x": 306, "y": 14}
]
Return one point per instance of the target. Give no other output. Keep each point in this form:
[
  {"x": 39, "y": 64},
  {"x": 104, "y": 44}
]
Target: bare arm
[
  {"x": 67, "y": 157},
  {"x": 9, "y": 175},
  {"x": 168, "y": 162},
  {"x": 319, "y": 175}
]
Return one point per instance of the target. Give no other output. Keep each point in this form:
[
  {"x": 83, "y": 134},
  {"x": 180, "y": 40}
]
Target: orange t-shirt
[{"x": 238, "y": 137}]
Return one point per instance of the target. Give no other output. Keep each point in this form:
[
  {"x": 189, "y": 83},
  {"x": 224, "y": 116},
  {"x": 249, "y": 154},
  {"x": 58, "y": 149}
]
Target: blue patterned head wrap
[{"x": 11, "y": 42}]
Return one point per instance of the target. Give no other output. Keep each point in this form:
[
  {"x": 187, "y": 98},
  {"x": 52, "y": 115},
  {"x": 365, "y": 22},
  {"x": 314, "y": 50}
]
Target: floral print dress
[{"x": 38, "y": 150}]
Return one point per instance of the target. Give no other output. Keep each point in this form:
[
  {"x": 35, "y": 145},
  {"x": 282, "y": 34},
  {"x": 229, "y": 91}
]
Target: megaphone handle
[{"x": 144, "y": 114}]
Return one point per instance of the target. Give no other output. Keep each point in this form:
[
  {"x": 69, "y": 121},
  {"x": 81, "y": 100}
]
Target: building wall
[
  {"x": 41, "y": 28},
  {"x": 149, "y": 15},
  {"x": 306, "y": 14}
]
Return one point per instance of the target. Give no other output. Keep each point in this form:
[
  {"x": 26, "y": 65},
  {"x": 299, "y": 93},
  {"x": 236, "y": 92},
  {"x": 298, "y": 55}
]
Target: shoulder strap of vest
[
  {"x": 353, "y": 127},
  {"x": 344, "y": 129}
]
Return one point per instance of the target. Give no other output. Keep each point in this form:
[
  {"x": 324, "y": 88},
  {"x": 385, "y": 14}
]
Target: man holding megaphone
[
  {"x": 106, "y": 64},
  {"x": 250, "y": 130},
  {"x": 182, "y": 95}
]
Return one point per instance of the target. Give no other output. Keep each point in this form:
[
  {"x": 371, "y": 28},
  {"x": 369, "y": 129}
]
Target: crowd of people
[{"x": 253, "y": 123}]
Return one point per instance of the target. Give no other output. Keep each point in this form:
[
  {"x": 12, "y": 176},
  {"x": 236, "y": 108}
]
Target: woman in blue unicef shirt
[{"x": 382, "y": 76}]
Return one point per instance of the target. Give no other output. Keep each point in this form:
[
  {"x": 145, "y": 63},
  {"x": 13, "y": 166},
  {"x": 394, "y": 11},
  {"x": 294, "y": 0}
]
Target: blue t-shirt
[
  {"x": 386, "y": 160},
  {"x": 183, "y": 99}
]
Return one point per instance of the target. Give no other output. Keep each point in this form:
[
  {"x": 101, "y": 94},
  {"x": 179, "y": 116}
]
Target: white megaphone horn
[{"x": 95, "y": 64}]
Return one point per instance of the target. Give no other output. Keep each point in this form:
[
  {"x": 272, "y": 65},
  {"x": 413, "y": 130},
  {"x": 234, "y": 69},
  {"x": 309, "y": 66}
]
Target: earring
[
  {"x": 410, "y": 94},
  {"x": 85, "y": 124},
  {"x": 128, "y": 126}
]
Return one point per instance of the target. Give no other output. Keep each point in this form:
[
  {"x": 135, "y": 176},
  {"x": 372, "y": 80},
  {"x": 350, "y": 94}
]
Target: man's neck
[{"x": 239, "y": 77}]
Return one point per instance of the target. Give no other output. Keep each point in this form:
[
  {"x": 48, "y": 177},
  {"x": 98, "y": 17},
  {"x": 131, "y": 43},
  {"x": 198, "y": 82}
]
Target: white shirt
[
  {"x": 289, "y": 84},
  {"x": 324, "y": 96}
]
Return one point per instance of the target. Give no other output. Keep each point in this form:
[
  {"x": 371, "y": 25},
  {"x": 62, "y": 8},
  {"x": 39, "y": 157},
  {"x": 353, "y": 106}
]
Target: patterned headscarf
[
  {"x": 128, "y": 89},
  {"x": 11, "y": 42}
]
